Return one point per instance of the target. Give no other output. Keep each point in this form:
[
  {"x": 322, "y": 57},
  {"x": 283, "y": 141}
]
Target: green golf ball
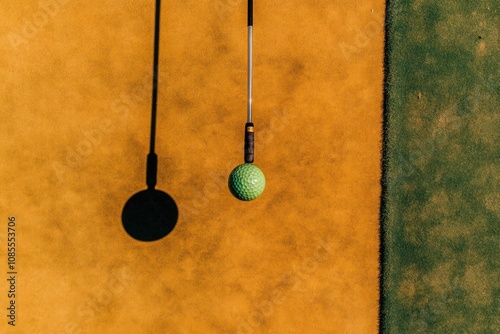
[{"x": 246, "y": 182}]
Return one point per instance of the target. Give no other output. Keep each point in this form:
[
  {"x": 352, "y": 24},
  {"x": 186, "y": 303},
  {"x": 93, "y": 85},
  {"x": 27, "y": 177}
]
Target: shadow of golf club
[{"x": 149, "y": 215}]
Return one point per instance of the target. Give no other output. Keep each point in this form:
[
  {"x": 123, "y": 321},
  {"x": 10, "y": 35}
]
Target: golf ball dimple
[{"x": 246, "y": 182}]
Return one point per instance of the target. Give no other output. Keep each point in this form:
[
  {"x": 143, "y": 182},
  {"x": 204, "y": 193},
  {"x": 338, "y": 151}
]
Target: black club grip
[
  {"x": 249, "y": 143},
  {"x": 250, "y": 12}
]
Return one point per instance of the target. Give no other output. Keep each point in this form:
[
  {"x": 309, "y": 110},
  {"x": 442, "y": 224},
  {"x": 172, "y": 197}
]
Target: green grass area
[{"x": 441, "y": 184}]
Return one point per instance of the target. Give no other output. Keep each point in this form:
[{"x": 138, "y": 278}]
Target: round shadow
[{"x": 149, "y": 215}]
